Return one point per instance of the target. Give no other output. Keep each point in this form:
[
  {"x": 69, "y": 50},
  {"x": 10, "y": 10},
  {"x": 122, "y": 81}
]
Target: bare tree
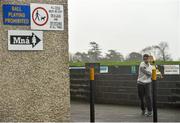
[
  {"x": 160, "y": 51},
  {"x": 163, "y": 50}
]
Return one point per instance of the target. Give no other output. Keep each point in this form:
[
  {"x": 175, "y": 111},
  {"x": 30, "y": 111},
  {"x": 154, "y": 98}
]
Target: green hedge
[{"x": 114, "y": 63}]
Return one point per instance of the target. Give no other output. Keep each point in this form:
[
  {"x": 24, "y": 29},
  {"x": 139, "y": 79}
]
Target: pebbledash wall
[
  {"x": 119, "y": 86},
  {"x": 34, "y": 85}
]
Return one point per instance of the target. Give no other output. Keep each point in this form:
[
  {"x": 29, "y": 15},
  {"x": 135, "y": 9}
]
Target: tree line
[{"x": 94, "y": 54}]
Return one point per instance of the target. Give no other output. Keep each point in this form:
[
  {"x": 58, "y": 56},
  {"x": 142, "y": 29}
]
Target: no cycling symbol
[{"x": 40, "y": 16}]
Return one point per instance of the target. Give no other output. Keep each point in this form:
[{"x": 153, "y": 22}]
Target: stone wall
[{"x": 34, "y": 85}]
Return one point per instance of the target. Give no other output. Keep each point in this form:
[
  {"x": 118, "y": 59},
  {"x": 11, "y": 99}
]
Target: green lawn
[{"x": 113, "y": 63}]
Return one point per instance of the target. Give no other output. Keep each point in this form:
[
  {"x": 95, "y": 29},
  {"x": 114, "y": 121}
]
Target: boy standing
[{"x": 144, "y": 85}]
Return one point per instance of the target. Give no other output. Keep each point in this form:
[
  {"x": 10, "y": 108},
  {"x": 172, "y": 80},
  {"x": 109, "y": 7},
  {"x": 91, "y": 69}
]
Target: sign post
[
  {"x": 92, "y": 111},
  {"x": 154, "y": 90},
  {"x": 92, "y": 69}
]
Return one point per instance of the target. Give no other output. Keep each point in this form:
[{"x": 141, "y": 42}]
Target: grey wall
[
  {"x": 34, "y": 85},
  {"x": 119, "y": 88}
]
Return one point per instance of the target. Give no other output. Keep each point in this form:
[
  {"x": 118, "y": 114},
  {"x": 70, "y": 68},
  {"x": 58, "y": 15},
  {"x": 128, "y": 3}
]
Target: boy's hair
[{"x": 145, "y": 55}]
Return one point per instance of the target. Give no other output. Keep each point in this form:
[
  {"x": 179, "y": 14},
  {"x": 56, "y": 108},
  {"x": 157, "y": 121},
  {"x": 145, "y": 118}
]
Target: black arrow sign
[{"x": 24, "y": 40}]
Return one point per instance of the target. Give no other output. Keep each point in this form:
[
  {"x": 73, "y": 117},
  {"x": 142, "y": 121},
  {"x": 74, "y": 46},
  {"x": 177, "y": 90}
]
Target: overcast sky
[{"x": 124, "y": 25}]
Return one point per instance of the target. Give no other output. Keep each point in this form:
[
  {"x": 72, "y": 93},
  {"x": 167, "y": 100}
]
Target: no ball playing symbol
[{"x": 40, "y": 16}]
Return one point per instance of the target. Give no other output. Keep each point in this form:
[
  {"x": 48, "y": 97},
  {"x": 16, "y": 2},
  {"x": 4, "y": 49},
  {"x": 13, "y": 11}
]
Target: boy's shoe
[
  {"x": 143, "y": 112},
  {"x": 148, "y": 114}
]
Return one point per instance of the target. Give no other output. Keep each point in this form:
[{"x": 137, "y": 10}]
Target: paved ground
[{"x": 118, "y": 113}]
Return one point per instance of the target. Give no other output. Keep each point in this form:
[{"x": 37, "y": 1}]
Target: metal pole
[
  {"x": 154, "y": 90},
  {"x": 92, "y": 111}
]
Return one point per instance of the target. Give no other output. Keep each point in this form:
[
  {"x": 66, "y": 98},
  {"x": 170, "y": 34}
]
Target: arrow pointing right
[
  {"x": 25, "y": 40},
  {"x": 34, "y": 40}
]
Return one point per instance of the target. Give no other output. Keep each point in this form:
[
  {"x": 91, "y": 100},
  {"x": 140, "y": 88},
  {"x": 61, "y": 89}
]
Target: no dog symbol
[{"x": 40, "y": 16}]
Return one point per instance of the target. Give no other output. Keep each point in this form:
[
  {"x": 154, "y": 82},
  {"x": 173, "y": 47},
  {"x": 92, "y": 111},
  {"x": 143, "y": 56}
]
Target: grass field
[{"x": 113, "y": 63}]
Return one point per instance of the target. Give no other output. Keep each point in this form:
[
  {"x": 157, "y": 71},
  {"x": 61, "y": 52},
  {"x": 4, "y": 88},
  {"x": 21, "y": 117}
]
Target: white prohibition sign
[
  {"x": 47, "y": 17},
  {"x": 40, "y": 16}
]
